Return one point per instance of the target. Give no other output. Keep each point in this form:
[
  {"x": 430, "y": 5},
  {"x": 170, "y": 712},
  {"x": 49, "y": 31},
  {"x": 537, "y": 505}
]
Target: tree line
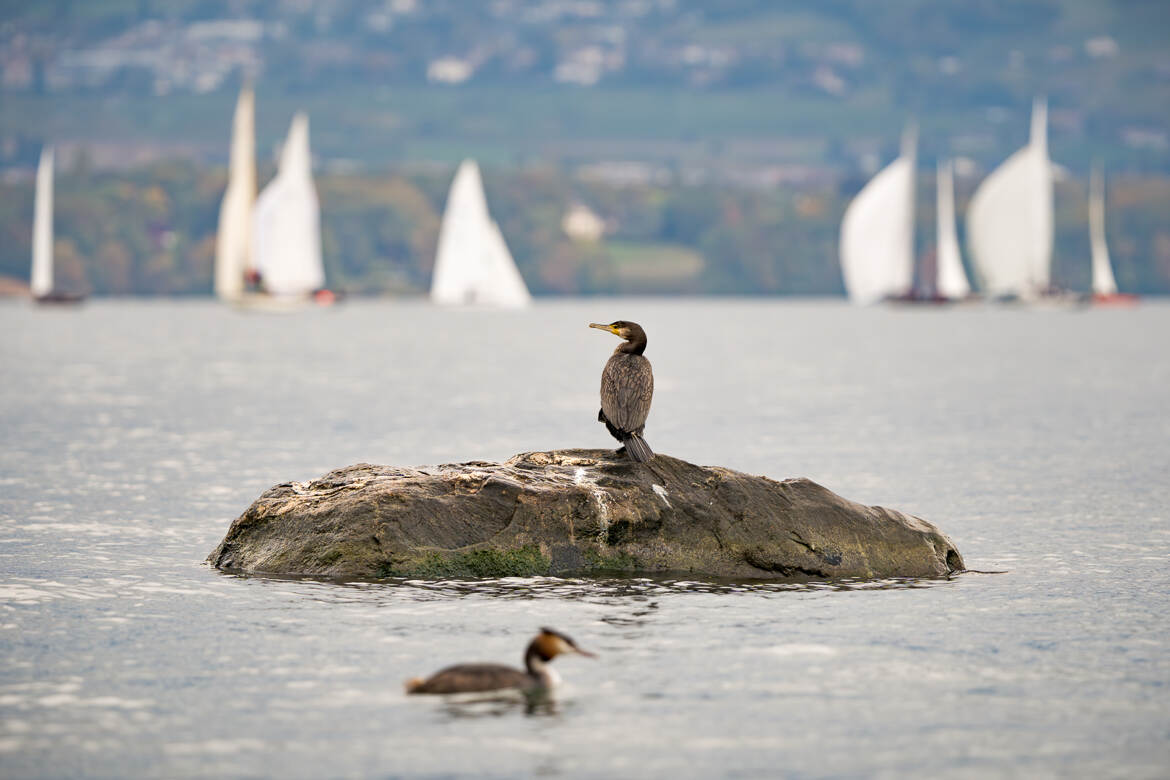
[{"x": 151, "y": 231}]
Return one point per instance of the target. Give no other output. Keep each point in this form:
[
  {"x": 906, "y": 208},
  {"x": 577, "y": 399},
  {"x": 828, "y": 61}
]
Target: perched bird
[
  {"x": 627, "y": 385},
  {"x": 477, "y": 678}
]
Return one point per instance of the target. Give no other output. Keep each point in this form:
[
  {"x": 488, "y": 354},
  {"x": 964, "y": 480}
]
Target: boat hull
[
  {"x": 924, "y": 299},
  {"x": 57, "y": 298},
  {"x": 1051, "y": 298},
  {"x": 277, "y": 304},
  {"x": 1114, "y": 299}
]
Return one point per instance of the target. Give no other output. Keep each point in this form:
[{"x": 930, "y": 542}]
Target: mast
[
  {"x": 909, "y": 153},
  {"x": 952, "y": 279},
  {"x": 233, "y": 240},
  {"x": 41, "y": 277},
  {"x": 1042, "y": 175},
  {"x": 1103, "y": 281}
]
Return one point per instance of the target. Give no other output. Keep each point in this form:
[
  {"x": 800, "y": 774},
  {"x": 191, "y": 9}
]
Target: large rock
[{"x": 575, "y": 511}]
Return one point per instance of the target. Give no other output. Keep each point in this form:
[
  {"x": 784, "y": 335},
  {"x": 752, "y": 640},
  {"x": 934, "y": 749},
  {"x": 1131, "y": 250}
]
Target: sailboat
[
  {"x": 233, "y": 241},
  {"x": 472, "y": 263},
  {"x": 877, "y": 232},
  {"x": 41, "y": 276},
  {"x": 286, "y": 231},
  {"x": 1009, "y": 221},
  {"x": 1104, "y": 285},
  {"x": 951, "y": 281}
]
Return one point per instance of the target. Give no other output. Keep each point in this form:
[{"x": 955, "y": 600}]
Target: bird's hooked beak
[{"x": 609, "y": 328}]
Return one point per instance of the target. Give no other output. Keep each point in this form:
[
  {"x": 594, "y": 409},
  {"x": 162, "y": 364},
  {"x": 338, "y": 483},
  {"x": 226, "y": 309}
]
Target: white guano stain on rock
[
  {"x": 581, "y": 477},
  {"x": 661, "y": 491}
]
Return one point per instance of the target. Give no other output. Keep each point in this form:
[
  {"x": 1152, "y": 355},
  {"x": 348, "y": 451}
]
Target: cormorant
[
  {"x": 477, "y": 678},
  {"x": 627, "y": 385}
]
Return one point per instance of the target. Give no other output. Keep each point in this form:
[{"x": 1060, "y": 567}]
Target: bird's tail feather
[{"x": 637, "y": 448}]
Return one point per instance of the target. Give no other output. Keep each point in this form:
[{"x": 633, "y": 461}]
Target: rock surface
[{"x": 572, "y": 512}]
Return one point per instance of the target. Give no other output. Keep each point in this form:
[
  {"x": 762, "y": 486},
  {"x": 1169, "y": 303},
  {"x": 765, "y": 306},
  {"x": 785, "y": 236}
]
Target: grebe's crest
[{"x": 550, "y": 643}]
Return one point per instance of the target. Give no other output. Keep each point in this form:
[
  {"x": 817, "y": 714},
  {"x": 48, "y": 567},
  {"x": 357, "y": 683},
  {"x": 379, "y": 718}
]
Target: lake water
[{"x": 134, "y": 432}]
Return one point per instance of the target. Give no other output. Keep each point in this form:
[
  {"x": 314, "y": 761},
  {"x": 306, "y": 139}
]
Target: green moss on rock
[
  {"x": 606, "y": 560},
  {"x": 490, "y": 562}
]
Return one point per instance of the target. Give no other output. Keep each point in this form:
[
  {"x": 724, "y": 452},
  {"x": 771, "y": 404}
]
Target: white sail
[
  {"x": 472, "y": 262},
  {"x": 1009, "y": 221},
  {"x": 457, "y": 266},
  {"x": 1103, "y": 281},
  {"x": 951, "y": 281},
  {"x": 502, "y": 285},
  {"x": 286, "y": 223},
  {"x": 41, "y": 280},
  {"x": 877, "y": 233},
  {"x": 233, "y": 240}
]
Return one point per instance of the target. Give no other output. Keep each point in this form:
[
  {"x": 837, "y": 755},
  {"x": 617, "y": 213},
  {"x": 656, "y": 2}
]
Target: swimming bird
[
  {"x": 477, "y": 678},
  {"x": 627, "y": 385}
]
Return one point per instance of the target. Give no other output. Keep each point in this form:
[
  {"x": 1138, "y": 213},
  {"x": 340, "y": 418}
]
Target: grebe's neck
[{"x": 537, "y": 666}]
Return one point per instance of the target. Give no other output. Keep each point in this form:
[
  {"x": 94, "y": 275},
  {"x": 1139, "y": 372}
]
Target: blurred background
[
  {"x": 628, "y": 149},
  {"x": 627, "y": 146}
]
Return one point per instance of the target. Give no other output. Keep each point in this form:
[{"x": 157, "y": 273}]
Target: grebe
[
  {"x": 627, "y": 385},
  {"x": 476, "y": 678}
]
